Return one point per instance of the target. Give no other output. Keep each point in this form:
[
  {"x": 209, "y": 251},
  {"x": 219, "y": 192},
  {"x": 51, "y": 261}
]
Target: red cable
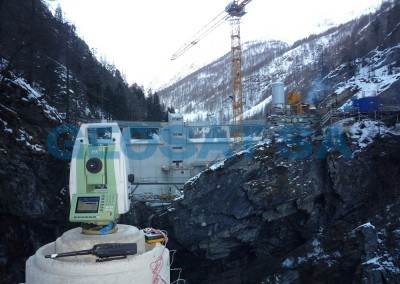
[{"x": 157, "y": 265}]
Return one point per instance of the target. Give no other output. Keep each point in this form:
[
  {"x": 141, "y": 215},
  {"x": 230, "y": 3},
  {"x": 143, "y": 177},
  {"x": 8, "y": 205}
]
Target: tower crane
[{"x": 233, "y": 12}]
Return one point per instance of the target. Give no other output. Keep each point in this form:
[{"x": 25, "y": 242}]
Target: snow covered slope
[{"x": 351, "y": 59}]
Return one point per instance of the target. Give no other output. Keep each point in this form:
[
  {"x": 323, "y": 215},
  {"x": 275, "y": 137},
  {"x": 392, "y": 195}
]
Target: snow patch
[
  {"x": 26, "y": 139},
  {"x": 38, "y": 98},
  {"x": 288, "y": 263},
  {"x": 364, "y": 132},
  {"x": 316, "y": 256},
  {"x": 384, "y": 262},
  {"x": 217, "y": 165},
  {"x": 366, "y": 225},
  {"x": 6, "y": 129}
]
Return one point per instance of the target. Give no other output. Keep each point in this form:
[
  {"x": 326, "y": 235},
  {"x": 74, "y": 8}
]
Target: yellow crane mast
[{"x": 233, "y": 11}]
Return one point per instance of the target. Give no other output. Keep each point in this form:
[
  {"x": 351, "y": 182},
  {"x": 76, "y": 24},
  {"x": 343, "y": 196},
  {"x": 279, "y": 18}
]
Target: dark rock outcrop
[
  {"x": 262, "y": 218},
  {"x": 33, "y": 184}
]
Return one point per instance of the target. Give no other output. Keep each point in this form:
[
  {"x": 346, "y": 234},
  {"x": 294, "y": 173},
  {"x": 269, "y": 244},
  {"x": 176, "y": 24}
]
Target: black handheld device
[{"x": 104, "y": 252}]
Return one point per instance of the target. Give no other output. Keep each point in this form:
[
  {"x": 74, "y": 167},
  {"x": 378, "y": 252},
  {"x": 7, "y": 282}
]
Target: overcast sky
[{"x": 139, "y": 37}]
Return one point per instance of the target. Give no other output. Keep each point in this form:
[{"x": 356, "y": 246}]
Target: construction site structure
[
  {"x": 233, "y": 11},
  {"x": 163, "y": 156}
]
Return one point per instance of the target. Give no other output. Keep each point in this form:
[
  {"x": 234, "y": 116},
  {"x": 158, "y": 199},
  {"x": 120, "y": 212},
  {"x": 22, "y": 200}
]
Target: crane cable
[{"x": 216, "y": 22}]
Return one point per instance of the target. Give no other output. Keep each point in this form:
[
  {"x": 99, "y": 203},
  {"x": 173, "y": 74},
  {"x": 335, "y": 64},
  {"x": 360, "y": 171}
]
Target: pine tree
[{"x": 59, "y": 14}]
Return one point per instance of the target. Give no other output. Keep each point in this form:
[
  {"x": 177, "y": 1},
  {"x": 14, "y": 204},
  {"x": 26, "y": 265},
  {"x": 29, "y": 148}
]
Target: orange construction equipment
[{"x": 294, "y": 98}]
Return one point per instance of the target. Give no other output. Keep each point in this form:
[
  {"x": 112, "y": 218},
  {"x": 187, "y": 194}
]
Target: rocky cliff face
[
  {"x": 33, "y": 192},
  {"x": 261, "y": 217}
]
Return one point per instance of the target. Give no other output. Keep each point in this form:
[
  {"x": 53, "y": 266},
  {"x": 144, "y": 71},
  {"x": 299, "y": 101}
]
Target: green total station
[{"x": 99, "y": 175}]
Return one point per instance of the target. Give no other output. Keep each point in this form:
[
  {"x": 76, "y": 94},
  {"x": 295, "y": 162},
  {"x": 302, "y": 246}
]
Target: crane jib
[
  {"x": 233, "y": 9},
  {"x": 234, "y": 12}
]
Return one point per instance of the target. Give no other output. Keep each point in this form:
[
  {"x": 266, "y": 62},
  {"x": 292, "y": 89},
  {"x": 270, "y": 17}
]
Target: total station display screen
[{"x": 87, "y": 204}]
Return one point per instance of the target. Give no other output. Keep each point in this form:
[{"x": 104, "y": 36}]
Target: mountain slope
[{"x": 316, "y": 67}]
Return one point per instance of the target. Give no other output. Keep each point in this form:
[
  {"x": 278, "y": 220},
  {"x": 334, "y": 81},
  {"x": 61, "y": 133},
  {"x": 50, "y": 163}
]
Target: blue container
[{"x": 368, "y": 104}]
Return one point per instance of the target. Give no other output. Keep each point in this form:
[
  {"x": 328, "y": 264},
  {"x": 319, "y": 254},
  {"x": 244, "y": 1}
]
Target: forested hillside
[
  {"x": 49, "y": 77},
  {"x": 45, "y": 51}
]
